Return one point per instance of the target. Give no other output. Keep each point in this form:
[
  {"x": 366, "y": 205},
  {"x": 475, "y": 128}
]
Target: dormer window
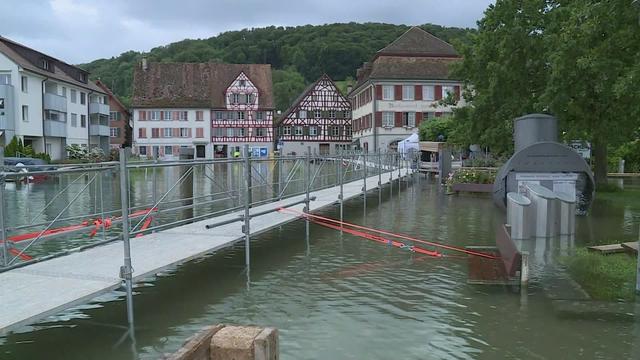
[
  {"x": 44, "y": 63},
  {"x": 82, "y": 77}
]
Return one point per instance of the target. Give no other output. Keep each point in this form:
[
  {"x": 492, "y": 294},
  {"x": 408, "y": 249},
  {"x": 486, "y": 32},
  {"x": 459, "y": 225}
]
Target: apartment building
[
  {"x": 404, "y": 84},
  {"x": 48, "y": 103},
  {"x": 212, "y": 107},
  {"x": 120, "y": 123}
]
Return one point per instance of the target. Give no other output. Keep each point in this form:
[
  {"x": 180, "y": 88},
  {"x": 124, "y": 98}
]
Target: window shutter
[
  {"x": 418, "y": 118},
  {"x": 176, "y": 115},
  {"x": 161, "y": 151},
  {"x": 398, "y": 119},
  {"x": 457, "y": 90},
  {"x": 398, "y": 92},
  {"x": 189, "y": 132},
  {"x": 418, "y": 92},
  {"x": 438, "y": 90},
  {"x": 378, "y": 92},
  {"x": 199, "y": 132},
  {"x": 161, "y": 115},
  {"x": 142, "y": 115},
  {"x": 149, "y": 151},
  {"x": 378, "y": 118}
]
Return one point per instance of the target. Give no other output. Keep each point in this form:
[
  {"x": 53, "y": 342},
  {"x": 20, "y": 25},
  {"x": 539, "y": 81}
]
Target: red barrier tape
[{"x": 400, "y": 236}]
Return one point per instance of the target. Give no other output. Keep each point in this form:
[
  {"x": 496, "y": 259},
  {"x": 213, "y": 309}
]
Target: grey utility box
[
  {"x": 519, "y": 216},
  {"x": 567, "y": 214},
  {"x": 544, "y": 205}
]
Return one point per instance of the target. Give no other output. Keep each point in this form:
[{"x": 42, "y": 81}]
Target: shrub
[{"x": 471, "y": 176}]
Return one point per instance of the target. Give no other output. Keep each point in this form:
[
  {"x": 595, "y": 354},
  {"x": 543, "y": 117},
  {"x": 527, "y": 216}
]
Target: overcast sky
[{"x": 79, "y": 31}]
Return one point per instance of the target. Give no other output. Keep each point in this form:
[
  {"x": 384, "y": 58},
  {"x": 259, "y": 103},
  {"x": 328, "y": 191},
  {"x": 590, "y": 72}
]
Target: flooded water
[{"x": 341, "y": 297}]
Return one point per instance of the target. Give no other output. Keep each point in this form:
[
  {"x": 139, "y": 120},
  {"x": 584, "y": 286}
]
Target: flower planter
[{"x": 478, "y": 188}]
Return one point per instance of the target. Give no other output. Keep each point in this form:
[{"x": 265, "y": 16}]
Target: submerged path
[{"x": 36, "y": 291}]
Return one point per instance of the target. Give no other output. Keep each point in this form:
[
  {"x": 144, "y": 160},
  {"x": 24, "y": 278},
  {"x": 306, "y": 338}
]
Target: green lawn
[{"x": 604, "y": 277}]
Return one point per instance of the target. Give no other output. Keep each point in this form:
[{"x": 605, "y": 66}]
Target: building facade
[
  {"x": 214, "y": 108},
  {"x": 120, "y": 124},
  {"x": 49, "y": 104},
  {"x": 405, "y": 83},
  {"x": 319, "y": 119}
]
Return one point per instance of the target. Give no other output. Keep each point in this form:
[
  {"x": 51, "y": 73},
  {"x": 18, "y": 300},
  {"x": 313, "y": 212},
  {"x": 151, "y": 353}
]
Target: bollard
[
  {"x": 544, "y": 210},
  {"x": 567, "y": 214},
  {"x": 518, "y": 215}
]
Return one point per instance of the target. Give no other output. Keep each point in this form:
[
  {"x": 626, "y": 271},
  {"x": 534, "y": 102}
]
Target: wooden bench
[{"x": 506, "y": 270}]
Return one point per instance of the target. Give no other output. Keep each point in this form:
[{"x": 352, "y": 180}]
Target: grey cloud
[{"x": 84, "y": 30}]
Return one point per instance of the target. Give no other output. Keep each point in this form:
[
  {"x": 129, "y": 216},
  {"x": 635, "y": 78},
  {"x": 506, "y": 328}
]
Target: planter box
[{"x": 478, "y": 188}]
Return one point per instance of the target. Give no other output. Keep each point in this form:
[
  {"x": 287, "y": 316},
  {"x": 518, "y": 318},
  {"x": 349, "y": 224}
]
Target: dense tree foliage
[
  {"x": 578, "y": 60},
  {"x": 301, "y": 53}
]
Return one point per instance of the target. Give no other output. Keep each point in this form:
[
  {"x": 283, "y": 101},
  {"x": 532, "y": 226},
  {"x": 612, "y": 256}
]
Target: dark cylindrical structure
[{"x": 534, "y": 128}]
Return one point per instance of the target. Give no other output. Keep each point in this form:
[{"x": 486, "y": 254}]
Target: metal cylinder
[
  {"x": 544, "y": 204},
  {"x": 534, "y": 128},
  {"x": 567, "y": 214},
  {"x": 518, "y": 216}
]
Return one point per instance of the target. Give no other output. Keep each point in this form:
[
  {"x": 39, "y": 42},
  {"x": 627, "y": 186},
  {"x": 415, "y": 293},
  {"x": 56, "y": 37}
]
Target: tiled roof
[
  {"x": 196, "y": 85},
  {"x": 30, "y": 59},
  {"x": 418, "y": 42}
]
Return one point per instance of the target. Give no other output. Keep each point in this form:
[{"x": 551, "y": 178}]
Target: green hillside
[{"x": 298, "y": 54}]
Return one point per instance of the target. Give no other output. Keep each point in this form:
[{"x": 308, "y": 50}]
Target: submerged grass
[{"x": 604, "y": 277}]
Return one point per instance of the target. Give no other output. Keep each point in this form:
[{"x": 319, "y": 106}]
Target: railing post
[
  {"x": 341, "y": 195},
  {"x": 307, "y": 182},
  {"x": 154, "y": 183},
  {"x": 247, "y": 204},
  {"x": 126, "y": 271},
  {"x": 399, "y": 174},
  {"x": 379, "y": 177},
  {"x": 390, "y": 166}
]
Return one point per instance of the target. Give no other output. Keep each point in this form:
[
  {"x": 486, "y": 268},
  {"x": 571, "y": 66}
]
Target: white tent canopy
[{"x": 409, "y": 145}]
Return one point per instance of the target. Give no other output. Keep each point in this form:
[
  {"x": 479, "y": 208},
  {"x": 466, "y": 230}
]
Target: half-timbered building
[
  {"x": 320, "y": 119},
  {"x": 212, "y": 107},
  {"x": 403, "y": 85}
]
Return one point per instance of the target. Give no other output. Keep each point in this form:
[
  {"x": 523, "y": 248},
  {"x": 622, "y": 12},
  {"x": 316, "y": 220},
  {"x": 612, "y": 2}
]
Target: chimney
[{"x": 144, "y": 63}]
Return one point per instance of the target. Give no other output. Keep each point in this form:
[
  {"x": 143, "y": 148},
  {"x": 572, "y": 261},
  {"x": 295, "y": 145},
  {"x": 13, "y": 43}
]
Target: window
[
  {"x": 218, "y": 132},
  {"x": 64, "y": 92},
  {"x": 167, "y": 132},
  {"x": 387, "y": 92},
  {"x": 142, "y": 150},
  {"x": 428, "y": 115},
  {"x": 387, "y": 119},
  {"x": 318, "y": 114},
  {"x": 54, "y": 115},
  {"x": 5, "y": 79},
  {"x": 235, "y": 98},
  {"x": 218, "y": 115},
  {"x": 199, "y": 115},
  {"x": 260, "y": 132},
  {"x": 168, "y": 150},
  {"x": 298, "y": 131},
  {"x": 313, "y": 131},
  {"x": 428, "y": 92},
  {"x": 251, "y": 98},
  {"x": 74, "y": 120},
  {"x": 286, "y": 130},
  {"x": 25, "y": 113},
  {"x": 241, "y": 132},
  {"x": 184, "y": 132},
  {"x": 259, "y": 115},
  {"x": 231, "y": 115},
  {"x": 348, "y": 131},
  {"x": 240, "y": 115},
  {"x": 302, "y": 114},
  {"x": 184, "y": 115},
  {"x": 83, "y": 121},
  {"x": 114, "y": 132},
  {"x": 335, "y": 131},
  {"x": 332, "y": 114},
  {"x": 408, "y": 92},
  {"x": 114, "y": 115},
  {"x": 155, "y": 115},
  {"x": 409, "y": 119},
  {"x": 83, "y": 98},
  {"x": 142, "y": 133},
  {"x": 24, "y": 84},
  {"x": 242, "y": 83},
  {"x": 448, "y": 91},
  {"x": 74, "y": 96},
  {"x": 44, "y": 63},
  {"x": 166, "y": 115},
  {"x": 346, "y": 114}
]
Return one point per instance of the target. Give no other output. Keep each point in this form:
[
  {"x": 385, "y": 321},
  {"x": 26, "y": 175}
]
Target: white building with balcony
[{"x": 48, "y": 103}]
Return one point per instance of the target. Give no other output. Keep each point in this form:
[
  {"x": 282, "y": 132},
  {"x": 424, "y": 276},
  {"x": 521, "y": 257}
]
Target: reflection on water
[{"x": 346, "y": 298}]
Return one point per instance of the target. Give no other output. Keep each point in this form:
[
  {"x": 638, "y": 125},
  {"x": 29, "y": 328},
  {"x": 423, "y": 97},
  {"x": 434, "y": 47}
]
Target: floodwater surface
[{"x": 337, "y": 296}]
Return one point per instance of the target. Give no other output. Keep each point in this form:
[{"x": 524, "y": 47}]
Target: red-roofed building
[{"x": 402, "y": 86}]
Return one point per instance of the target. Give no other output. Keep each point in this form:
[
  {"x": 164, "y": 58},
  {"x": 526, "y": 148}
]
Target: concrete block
[
  {"x": 197, "y": 347},
  {"x": 244, "y": 343}
]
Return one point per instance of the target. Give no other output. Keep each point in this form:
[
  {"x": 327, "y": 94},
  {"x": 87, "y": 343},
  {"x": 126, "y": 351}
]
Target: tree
[
  {"x": 504, "y": 69},
  {"x": 288, "y": 85},
  {"x": 594, "y": 53}
]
